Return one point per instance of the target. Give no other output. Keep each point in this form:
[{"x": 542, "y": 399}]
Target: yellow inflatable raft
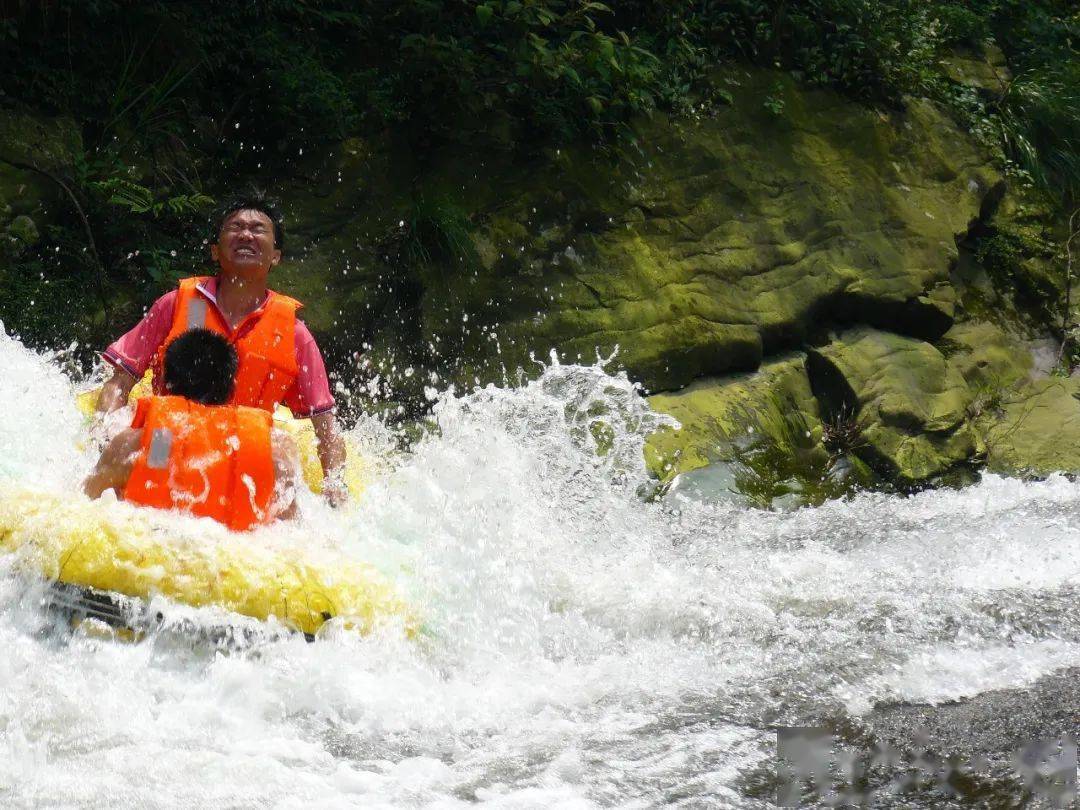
[{"x": 110, "y": 547}]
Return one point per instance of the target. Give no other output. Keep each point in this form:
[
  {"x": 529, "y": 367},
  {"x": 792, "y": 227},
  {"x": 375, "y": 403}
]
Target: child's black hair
[{"x": 200, "y": 365}]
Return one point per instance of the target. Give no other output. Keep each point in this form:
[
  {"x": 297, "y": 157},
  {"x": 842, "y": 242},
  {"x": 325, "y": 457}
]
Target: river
[{"x": 585, "y": 646}]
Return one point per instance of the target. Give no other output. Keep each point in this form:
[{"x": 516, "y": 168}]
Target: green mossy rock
[
  {"x": 987, "y": 70},
  {"x": 989, "y": 359},
  {"x": 757, "y": 224},
  {"x": 723, "y": 243},
  {"x": 911, "y": 400},
  {"x": 1037, "y": 430},
  {"x": 713, "y": 413},
  {"x": 1019, "y": 256}
]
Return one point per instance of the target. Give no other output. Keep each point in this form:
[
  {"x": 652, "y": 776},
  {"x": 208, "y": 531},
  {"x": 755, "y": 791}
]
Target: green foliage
[
  {"x": 1020, "y": 262},
  {"x": 179, "y": 99},
  {"x": 434, "y": 237},
  {"x": 988, "y": 399},
  {"x": 842, "y": 432},
  {"x": 293, "y": 72},
  {"x": 138, "y": 199},
  {"x": 289, "y": 73},
  {"x": 785, "y": 455},
  {"x": 774, "y": 102},
  {"x": 1039, "y": 123},
  {"x": 437, "y": 232}
]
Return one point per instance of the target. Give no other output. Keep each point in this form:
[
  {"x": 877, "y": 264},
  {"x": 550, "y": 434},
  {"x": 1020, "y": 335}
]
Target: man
[
  {"x": 191, "y": 451},
  {"x": 279, "y": 361}
]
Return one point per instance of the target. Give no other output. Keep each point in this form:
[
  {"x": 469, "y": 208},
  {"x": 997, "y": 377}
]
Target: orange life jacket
[
  {"x": 267, "y": 350},
  {"x": 211, "y": 461}
]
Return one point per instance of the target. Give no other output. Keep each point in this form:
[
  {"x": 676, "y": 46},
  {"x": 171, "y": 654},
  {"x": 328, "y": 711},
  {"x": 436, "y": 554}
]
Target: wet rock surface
[
  {"x": 1038, "y": 429},
  {"x": 715, "y": 412},
  {"x": 722, "y": 241},
  {"x": 738, "y": 237},
  {"x": 1008, "y": 748},
  {"x": 996, "y": 742}
]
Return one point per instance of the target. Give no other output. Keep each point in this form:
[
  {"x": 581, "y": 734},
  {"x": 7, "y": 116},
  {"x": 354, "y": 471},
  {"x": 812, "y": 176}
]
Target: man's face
[{"x": 246, "y": 243}]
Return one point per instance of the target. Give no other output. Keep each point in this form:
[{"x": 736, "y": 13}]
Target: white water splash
[{"x": 586, "y": 648}]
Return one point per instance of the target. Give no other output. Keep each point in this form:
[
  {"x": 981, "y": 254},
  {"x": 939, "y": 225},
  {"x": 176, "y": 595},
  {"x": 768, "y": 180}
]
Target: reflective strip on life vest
[
  {"x": 196, "y": 314},
  {"x": 161, "y": 441}
]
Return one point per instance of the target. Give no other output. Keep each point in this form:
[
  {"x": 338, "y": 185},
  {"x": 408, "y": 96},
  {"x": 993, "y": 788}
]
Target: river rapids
[{"x": 585, "y": 645}]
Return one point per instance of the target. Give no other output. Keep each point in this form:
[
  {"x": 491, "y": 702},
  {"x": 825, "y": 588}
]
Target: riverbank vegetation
[{"x": 172, "y": 104}]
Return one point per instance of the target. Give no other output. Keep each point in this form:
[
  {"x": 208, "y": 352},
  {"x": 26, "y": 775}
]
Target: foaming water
[{"x": 584, "y": 646}]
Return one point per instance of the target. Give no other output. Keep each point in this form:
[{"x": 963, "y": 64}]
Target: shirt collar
[{"x": 209, "y": 289}]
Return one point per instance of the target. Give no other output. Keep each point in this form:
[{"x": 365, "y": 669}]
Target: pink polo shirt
[{"x": 134, "y": 352}]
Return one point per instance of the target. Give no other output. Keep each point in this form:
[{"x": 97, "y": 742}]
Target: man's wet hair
[
  {"x": 200, "y": 365},
  {"x": 253, "y": 200}
]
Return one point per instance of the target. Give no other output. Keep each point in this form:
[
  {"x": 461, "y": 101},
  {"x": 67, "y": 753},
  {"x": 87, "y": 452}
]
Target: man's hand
[
  {"x": 335, "y": 490},
  {"x": 286, "y": 459},
  {"x": 331, "y": 449},
  {"x": 105, "y": 426},
  {"x": 114, "y": 466}
]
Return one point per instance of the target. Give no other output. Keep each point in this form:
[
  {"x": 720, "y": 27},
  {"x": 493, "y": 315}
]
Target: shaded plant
[
  {"x": 842, "y": 431},
  {"x": 1019, "y": 261},
  {"x": 1070, "y": 333},
  {"x": 438, "y": 231},
  {"x": 1038, "y": 120},
  {"x": 987, "y": 400},
  {"x": 431, "y": 243},
  {"x": 782, "y": 456}
]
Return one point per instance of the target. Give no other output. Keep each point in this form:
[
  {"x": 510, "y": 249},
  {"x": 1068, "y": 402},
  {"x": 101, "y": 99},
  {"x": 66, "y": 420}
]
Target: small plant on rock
[{"x": 842, "y": 431}]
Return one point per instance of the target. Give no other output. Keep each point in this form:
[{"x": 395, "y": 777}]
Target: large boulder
[
  {"x": 911, "y": 403},
  {"x": 740, "y": 234},
  {"x": 985, "y": 70},
  {"x": 1036, "y": 430},
  {"x": 1024, "y": 421},
  {"x": 911, "y": 409},
  {"x": 988, "y": 358}
]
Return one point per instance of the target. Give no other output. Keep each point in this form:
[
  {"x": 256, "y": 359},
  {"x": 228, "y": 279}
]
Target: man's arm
[
  {"x": 133, "y": 352},
  {"x": 114, "y": 467},
  {"x": 286, "y": 459},
  {"x": 311, "y": 398},
  {"x": 331, "y": 448},
  {"x": 114, "y": 394}
]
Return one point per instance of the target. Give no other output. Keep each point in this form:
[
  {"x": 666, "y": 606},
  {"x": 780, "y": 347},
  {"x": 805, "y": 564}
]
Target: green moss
[
  {"x": 985, "y": 355},
  {"x": 1036, "y": 430},
  {"x": 715, "y": 414},
  {"x": 733, "y": 239}
]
